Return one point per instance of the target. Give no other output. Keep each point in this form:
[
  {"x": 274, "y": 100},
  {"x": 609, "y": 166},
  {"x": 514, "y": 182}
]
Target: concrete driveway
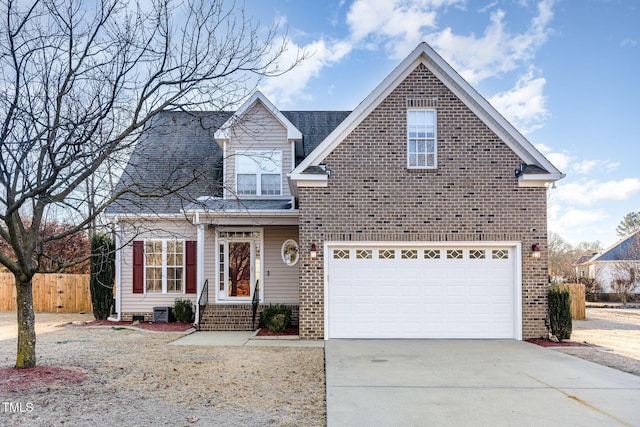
[{"x": 472, "y": 383}]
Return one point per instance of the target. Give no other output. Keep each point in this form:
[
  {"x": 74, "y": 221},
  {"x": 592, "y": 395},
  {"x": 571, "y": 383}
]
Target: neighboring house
[
  {"x": 582, "y": 267},
  {"x": 420, "y": 214},
  {"x": 619, "y": 261}
]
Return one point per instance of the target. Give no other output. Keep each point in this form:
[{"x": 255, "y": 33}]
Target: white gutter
[{"x": 118, "y": 262}]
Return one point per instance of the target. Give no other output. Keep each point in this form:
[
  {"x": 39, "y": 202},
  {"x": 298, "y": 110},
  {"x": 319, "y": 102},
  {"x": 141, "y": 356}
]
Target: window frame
[
  {"x": 252, "y": 154},
  {"x": 164, "y": 266},
  {"x": 426, "y": 140}
]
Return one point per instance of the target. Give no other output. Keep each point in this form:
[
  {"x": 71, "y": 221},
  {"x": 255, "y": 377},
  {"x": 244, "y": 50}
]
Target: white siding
[{"x": 258, "y": 130}]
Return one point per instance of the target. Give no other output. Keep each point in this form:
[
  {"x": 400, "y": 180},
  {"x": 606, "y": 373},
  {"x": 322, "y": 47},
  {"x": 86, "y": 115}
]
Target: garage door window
[
  {"x": 500, "y": 254},
  {"x": 409, "y": 254},
  {"x": 454, "y": 253},
  {"x": 340, "y": 254},
  {"x": 364, "y": 254},
  {"x": 431, "y": 254},
  {"x": 477, "y": 254},
  {"x": 386, "y": 254}
]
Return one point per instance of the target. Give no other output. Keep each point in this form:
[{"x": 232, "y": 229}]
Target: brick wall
[{"x": 472, "y": 196}]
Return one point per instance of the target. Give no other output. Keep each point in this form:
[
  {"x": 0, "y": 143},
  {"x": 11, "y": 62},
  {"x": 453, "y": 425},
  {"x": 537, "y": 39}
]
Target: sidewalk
[{"x": 241, "y": 338}]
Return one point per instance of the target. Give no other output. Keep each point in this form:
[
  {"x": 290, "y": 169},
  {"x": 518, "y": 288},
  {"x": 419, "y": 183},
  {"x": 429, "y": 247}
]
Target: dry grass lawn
[{"x": 135, "y": 378}]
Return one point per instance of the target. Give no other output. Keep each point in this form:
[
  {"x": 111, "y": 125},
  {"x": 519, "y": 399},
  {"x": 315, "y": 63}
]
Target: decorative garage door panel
[{"x": 422, "y": 292}]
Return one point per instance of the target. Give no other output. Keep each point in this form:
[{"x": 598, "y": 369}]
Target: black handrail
[
  {"x": 203, "y": 299},
  {"x": 255, "y": 302}
]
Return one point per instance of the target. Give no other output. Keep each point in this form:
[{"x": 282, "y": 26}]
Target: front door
[{"x": 239, "y": 267}]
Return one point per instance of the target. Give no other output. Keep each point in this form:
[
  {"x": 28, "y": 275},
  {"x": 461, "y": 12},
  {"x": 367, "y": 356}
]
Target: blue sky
[{"x": 566, "y": 73}]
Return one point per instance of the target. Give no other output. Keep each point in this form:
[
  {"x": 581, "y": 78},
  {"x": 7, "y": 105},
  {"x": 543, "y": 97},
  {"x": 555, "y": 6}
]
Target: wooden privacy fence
[
  {"x": 53, "y": 293},
  {"x": 578, "y": 311}
]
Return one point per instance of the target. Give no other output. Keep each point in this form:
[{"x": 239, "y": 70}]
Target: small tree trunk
[{"x": 26, "y": 356}]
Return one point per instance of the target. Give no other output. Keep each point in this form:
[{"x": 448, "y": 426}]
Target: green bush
[
  {"x": 183, "y": 310},
  {"x": 102, "y": 275},
  {"x": 560, "y": 312},
  {"x": 276, "y": 317}
]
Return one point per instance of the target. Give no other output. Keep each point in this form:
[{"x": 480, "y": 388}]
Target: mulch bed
[
  {"x": 12, "y": 378},
  {"x": 149, "y": 326},
  {"x": 291, "y": 330},
  {"x": 542, "y": 342}
]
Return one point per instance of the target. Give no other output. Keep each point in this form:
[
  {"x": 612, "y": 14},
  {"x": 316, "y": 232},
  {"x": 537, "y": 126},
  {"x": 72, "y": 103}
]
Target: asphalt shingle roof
[
  {"x": 315, "y": 125},
  {"x": 627, "y": 249},
  {"x": 178, "y": 151}
]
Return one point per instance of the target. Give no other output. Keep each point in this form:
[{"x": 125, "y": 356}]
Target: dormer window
[
  {"x": 259, "y": 173},
  {"x": 422, "y": 152}
]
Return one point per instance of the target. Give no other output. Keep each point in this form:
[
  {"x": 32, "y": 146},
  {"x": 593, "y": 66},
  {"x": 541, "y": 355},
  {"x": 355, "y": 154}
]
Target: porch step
[
  {"x": 235, "y": 317},
  {"x": 229, "y": 318}
]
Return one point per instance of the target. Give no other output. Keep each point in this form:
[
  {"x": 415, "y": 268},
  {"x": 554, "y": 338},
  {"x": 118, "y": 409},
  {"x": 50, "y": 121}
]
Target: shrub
[
  {"x": 102, "y": 268},
  {"x": 592, "y": 288},
  {"x": 183, "y": 310},
  {"x": 276, "y": 317},
  {"x": 560, "y": 312}
]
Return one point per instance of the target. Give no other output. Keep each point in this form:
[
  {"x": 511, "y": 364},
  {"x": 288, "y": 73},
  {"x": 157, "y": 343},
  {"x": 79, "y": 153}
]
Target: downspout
[
  {"x": 118, "y": 261},
  {"x": 199, "y": 264}
]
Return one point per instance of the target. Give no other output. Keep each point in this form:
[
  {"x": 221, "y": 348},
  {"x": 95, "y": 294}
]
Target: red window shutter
[
  {"x": 191, "y": 267},
  {"x": 138, "y": 267}
]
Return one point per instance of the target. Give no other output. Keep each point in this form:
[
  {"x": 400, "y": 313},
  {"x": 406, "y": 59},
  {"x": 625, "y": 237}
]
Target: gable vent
[{"x": 422, "y": 102}]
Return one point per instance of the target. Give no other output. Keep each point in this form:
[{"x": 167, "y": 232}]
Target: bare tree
[
  {"x": 78, "y": 83},
  {"x": 561, "y": 257}
]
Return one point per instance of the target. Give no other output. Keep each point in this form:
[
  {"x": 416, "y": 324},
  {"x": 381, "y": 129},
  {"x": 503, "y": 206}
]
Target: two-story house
[{"x": 420, "y": 214}]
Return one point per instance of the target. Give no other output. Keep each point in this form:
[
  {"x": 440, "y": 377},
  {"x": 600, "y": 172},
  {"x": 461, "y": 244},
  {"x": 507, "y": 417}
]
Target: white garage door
[{"x": 422, "y": 292}]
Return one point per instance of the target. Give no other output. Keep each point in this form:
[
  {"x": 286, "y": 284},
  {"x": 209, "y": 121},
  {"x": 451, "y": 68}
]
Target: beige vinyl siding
[
  {"x": 144, "y": 303},
  {"x": 280, "y": 280},
  {"x": 259, "y": 130},
  {"x": 280, "y": 284},
  {"x": 210, "y": 263}
]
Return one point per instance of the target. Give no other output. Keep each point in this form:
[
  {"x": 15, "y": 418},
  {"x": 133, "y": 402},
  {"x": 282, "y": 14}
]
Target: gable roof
[
  {"x": 626, "y": 249},
  {"x": 178, "y": 149},
  {"x": 424, "y": 54},
  {"x": 293, "y": 133},
  {"x": 583, "y": 259}
]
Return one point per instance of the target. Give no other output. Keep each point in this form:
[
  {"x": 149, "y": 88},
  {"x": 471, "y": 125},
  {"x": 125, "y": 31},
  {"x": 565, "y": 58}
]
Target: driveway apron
[{"x": 472, "y": 383}]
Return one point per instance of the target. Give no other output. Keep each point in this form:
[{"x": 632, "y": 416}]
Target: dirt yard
[
  {"x": 615, "y": 334},
  {"x": 135, "y": 378}
]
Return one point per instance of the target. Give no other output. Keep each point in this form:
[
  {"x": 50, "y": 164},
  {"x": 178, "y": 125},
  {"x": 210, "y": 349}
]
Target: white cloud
[
  {"x": 576, "y": 225},
  {"x": 584, "y": 166},
  {"x": 587, "y": 193},
  {"x": 525, "y": 104},
  {"x": 398, "y": 25},
  {"x": 560, "y": 160},
  {"x": 496, "y": 51},
  {"x": 576, "y": 219},
  {"x": 565, "y": 162},
  {"x": 629, "y": 43},
  {"x": 284, "y": 90}
]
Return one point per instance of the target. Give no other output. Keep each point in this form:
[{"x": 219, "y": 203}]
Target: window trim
[
  {"x": 164, "y": 267},
  {"x": 259, "y": 173},
  {"x": 435, "y": 139}
]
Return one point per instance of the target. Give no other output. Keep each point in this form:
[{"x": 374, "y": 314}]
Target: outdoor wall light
[
  {"x": 314, "y": 251},
  {"x": 535, "y": 251}
]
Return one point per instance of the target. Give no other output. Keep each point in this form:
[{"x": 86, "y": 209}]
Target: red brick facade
[{"x": 472, "y": 196}]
